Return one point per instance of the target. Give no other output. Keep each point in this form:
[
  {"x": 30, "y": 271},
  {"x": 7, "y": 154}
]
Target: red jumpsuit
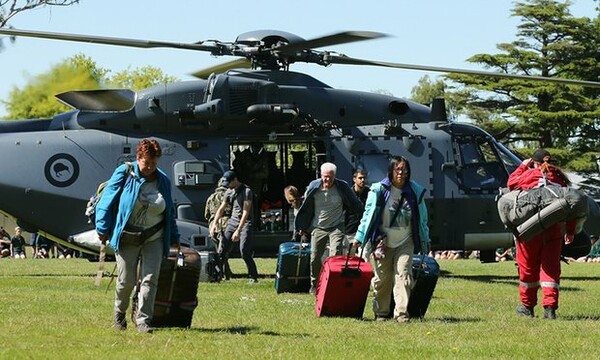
[{"x": 539, "y": 258}]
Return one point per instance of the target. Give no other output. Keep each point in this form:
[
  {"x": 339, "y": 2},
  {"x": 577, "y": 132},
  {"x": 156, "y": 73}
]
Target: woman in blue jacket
[
  {"x": 394, "y": 224},
  {"x": 136, "y": 214}
]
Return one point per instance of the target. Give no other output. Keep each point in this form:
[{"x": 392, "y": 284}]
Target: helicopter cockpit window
[{"x": 480, "y": 165}]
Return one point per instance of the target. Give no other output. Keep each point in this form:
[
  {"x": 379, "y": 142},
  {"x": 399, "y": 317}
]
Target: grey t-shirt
[
  {"x": 329, "y": 209},
  {"x": 236, "y": 198}
]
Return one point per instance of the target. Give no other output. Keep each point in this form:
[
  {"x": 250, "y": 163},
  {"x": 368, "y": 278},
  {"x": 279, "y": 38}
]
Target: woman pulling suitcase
[{"x": 393, "y": 225}]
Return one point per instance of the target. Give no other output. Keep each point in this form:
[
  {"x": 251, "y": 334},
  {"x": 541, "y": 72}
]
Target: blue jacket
[
  {"x": 131, "y": 189},
  {"x": 376, "y": 204},
  {"x": 306, "y": 212}
]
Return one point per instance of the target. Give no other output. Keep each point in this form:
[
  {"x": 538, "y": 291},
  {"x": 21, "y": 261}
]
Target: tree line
[{"x": 550, "y": 42}]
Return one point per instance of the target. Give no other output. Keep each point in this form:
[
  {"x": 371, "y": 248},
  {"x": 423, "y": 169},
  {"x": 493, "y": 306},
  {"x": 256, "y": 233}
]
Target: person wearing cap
[
  {"x": 210, "y": 211},
  {"x": 239, "y": 226},
  {"x": 539, "y": 258},
  {"x": 322, "y": 214}
]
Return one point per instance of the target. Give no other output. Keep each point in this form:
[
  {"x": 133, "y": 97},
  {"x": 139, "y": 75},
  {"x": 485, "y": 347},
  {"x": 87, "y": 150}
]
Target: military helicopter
[{"x": 273, "y": 126}]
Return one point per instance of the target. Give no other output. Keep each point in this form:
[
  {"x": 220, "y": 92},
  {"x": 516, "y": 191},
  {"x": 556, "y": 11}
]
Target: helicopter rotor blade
[
  {"x": 333, "y": 39},
  {"x": 335, "y": 59},
  {"x": 223, "y": 67},
  {"x": 109, "y": 40}
]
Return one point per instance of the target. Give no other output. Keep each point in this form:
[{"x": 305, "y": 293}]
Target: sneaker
[
  {"x": 252, "y": 281},
  {"x": 549, "y": 313},
  {"x": 402, "y": 319},
  {"x": 144, "y": 328},
  {"x": 522, "y": 310},
  {"x": 120, "y": 322},
  {"x": 313, "y": 290}
]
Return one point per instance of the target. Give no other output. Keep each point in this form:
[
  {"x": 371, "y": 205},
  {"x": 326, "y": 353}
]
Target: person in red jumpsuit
[{"x": 539, "y": 258}]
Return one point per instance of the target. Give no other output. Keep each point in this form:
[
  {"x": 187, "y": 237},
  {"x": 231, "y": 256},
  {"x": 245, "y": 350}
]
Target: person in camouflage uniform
[{"x": 212, "y": 204}]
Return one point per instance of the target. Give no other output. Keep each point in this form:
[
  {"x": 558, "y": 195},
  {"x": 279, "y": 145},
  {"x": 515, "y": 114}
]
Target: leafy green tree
[
  {"x": 426, "y": 90},
  {"x": 551, "y": 43},
  {"x": 79, "y": 72},
  {"x": 36, "y": 99},
  {"x": 140, "y": 78}
]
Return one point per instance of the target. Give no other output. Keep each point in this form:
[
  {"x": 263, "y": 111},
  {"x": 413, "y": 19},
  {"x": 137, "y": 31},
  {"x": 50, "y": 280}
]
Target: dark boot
[
  {"x": 120, "y": 322},
  {"x": 549, "y": 313},
  {"x": 522, "y": 310}
]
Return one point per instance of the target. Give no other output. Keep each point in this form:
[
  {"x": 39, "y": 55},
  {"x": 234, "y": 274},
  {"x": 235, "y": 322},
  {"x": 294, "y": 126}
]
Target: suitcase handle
[
  {"x": 420, "y": 266},
  {"x": 360, "y": 259}
]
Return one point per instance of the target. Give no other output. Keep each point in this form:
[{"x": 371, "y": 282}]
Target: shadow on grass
[
  {"x": 106, "y": 275},
  {"x": 506, "y": 279},
  {"x": 581, "y": 317},
  {"x": 246, "y": 330},
  {"x": 455, "y": 320},
  {"x": 245, "y": 276}
]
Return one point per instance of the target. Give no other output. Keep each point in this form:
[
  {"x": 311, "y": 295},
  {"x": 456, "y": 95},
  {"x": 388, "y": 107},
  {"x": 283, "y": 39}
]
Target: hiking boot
[
  {"x": 549, "y": 313},
  {"x": 120, "y": 322},
  {"x": 144, "y": 328},
  {"x": 522, "y": 310}
]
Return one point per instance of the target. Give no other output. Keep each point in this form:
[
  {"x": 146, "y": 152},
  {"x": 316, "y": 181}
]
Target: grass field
[{"x": 50, "y": 309}]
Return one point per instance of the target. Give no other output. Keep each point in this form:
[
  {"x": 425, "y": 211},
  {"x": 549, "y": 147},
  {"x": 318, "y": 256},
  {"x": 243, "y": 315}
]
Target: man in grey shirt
[
  {"x": 322, "y": 213},
  {"x": 239, "y": 226}
]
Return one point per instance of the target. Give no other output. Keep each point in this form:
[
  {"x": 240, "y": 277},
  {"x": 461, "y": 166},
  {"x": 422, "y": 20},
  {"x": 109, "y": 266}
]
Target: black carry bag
[
  {"x": 212, "y": 270},
  {"x": 177, "y": 292},
  {"x": 293, "y": 268},
  {"x": 426, "y": 272}
]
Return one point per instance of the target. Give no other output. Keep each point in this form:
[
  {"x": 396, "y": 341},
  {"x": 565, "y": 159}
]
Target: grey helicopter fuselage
[{"x": 206, "y": 126}]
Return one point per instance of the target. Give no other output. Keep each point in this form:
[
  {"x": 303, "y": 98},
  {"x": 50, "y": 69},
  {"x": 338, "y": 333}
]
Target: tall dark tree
[{"x": 552, "y": 43}]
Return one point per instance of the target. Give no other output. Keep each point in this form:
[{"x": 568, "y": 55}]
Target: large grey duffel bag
[{"x": 528, "y": 212}]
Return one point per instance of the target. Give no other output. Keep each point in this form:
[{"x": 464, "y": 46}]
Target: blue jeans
[{"x": 246, "y": 247}]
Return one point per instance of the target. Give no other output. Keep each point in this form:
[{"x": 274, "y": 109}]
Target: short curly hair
[{"x": 148, "y": 147}]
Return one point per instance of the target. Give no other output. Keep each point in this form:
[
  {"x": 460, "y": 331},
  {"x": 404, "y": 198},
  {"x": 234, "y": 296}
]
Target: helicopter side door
[{"x": 480, "y": 172}]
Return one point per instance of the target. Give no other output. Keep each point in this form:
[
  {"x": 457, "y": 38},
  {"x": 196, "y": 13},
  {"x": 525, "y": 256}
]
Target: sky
[{"x": 428, "y": 32}]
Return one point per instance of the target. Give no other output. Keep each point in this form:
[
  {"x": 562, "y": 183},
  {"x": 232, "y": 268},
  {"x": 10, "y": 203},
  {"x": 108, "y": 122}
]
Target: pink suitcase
[{"x": 343, "y": 286}]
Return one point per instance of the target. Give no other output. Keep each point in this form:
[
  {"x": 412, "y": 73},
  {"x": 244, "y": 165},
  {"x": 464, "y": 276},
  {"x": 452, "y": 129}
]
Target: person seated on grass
[
  {"x": 45, "y": 247},
  {"x": 4, "y": 247},
  {"x": 594, "y": 254},
  {"x": 17, "y": 245},
  {"x": 503, "y": 254},
  {"x": 441, "y": 255},
  {"x": 64, "y": 252}
]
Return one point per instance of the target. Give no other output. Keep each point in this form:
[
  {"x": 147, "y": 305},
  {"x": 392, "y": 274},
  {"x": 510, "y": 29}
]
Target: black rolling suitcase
[
  {"x": 176, "y": 296},
  {"x": 293, "y": 268},
  {"x": 426, "y": 272}
]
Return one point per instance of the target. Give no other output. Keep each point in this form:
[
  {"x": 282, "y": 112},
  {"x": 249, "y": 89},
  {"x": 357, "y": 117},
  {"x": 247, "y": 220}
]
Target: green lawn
[{"x": 51, "y": 309}]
